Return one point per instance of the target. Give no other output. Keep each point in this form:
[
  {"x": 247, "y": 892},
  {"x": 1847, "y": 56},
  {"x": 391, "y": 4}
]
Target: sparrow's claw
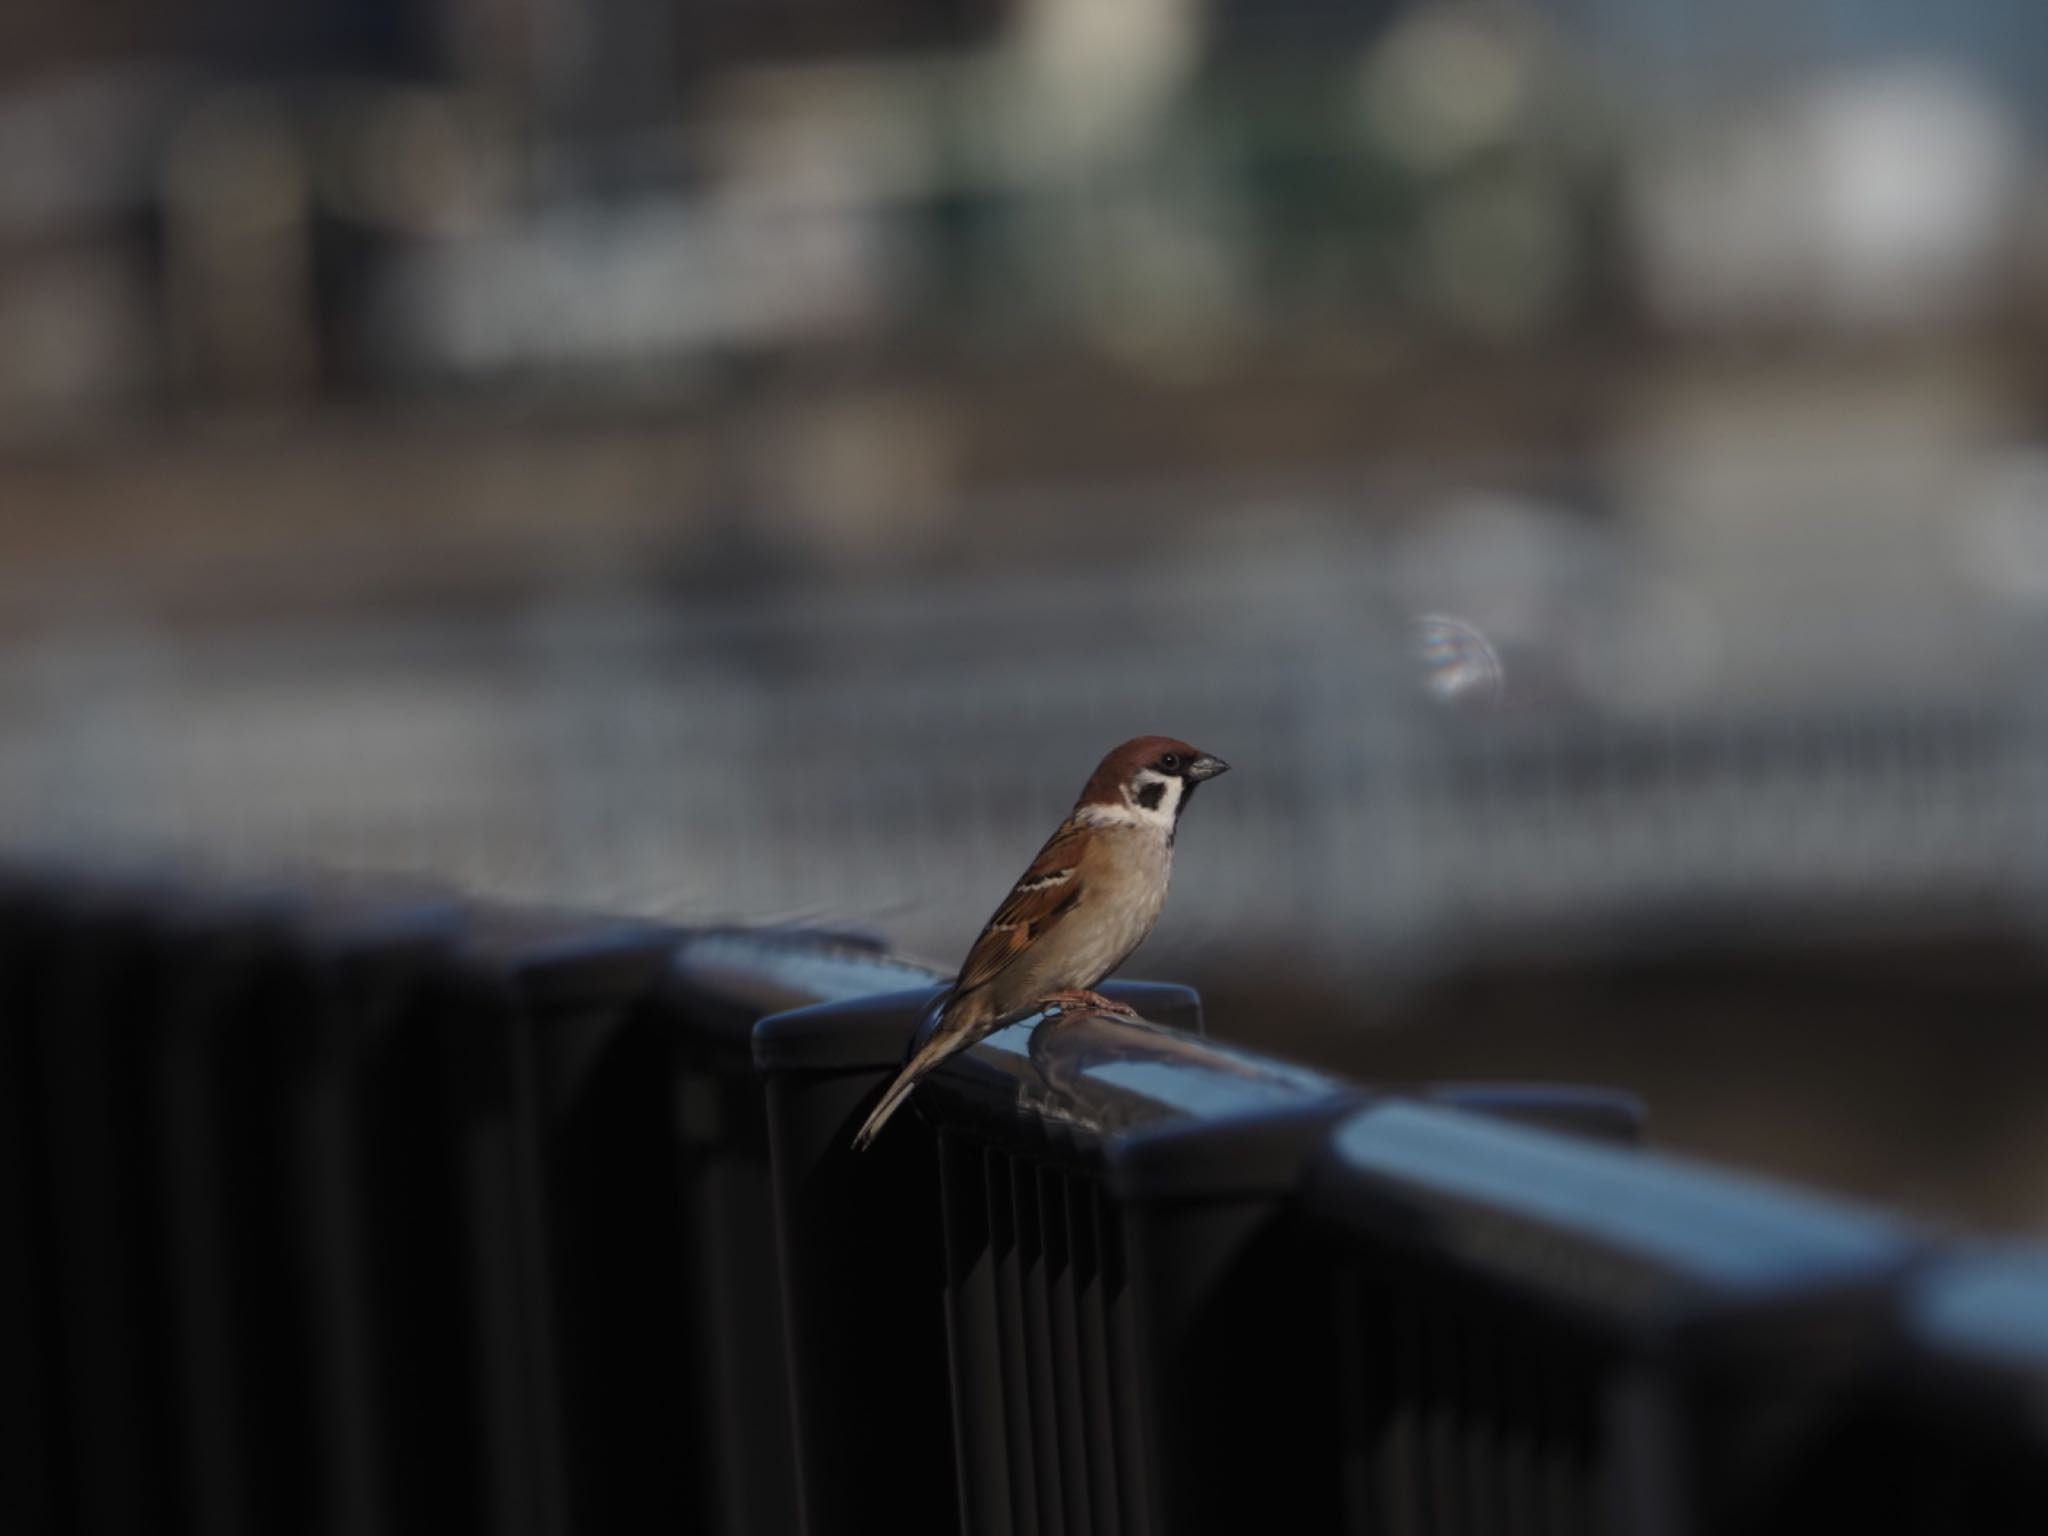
[{"x": 1081, "y": 1000}]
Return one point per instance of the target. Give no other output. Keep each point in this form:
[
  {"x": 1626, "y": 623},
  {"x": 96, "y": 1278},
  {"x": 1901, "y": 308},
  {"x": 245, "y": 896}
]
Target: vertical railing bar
[
  {"x": 1353, "y": 1320},
  {"x": 100, "y": 1113},
  {"x": 1482, "y": 1426},
  {"x": 337, "y": 1222},
  {"x": 1370, "y": 1396},
  {"x": 522, "y": 1486},
  {"x": 1560, "y": 1435},
  {"x": 1134, "y": 1496},
  {"x": 980, "y": 1431},
  {"x": 1038, "y": 1347},
  {"x": 195, "y": 1175},
  {"x": 1068, "y": 1395},
  {"x": 35, "y": 1461},
  {"x": 1446, "y": 1415},
  {"x": 1018, "y": 1436},
  {"x": 1092, "y": 1344},
  {"x": 1521, "y": 1436},
  {"x": 1588, "y": 1461},
  {"x": 1403, "y": 1454}
]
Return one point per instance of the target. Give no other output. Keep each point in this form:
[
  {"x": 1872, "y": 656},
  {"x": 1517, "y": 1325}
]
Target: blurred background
[{"x": 1583, "y": 461}]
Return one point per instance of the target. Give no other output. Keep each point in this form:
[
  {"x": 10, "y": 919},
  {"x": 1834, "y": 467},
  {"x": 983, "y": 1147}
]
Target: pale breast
[{"x": 1126, "y": 880}]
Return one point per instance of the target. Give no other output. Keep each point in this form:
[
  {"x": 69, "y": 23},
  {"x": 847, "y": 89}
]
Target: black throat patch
[{"x": 1150, "y": 796}]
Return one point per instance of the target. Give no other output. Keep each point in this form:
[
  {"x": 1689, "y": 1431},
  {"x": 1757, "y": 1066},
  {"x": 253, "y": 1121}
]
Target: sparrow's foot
[{"x": 1081, "y": 1000}]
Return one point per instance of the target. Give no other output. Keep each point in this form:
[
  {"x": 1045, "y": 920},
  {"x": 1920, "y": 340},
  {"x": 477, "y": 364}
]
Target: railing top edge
[
  {"x": 873, "y": 1030},
  {"x": 825, "y": 965},
  {"x": 564, "y": 960},
  {"x": 314, "y": 912},
  {"x": 1611, "y": 1115},
  {"x": 1146, "y": 1096},
  {"x": 1647, "y": 1233},
  {"x": 730, "y": 978},
  {"x": 1985, "y": 1311}
]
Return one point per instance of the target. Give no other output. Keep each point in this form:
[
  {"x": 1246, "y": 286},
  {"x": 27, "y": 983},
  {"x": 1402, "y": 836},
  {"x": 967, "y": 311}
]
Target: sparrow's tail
[{"x": 949, "y": 1037}]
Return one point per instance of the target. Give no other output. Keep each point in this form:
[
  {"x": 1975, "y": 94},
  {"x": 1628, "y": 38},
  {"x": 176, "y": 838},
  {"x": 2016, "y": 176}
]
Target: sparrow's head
[{"x": 1148, "y": 781}]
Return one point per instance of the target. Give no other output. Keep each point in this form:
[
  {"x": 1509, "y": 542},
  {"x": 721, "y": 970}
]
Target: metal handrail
[{"x": 383, "y": 1211}]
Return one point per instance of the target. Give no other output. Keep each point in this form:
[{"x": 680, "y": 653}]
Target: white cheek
[
  {"x": 1161, "y": 815},
  {"x": 1131, "y": 811}
]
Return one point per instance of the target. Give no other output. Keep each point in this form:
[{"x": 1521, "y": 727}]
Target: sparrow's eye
[{"x": 1170, "y": 762}]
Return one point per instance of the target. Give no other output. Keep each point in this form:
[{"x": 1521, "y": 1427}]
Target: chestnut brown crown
[{"x": 1167, "y": 755}]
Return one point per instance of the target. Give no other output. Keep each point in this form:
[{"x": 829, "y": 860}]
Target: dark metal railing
[
  {"x": 1123, "y": 1262},
  {"x": 1589, "y": 1339},
  {"x": 367, "y": 1214}
]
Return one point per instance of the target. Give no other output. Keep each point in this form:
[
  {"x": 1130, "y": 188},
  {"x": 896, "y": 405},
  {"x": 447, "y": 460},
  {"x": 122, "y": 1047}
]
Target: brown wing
[{"x": 1043, "y": 894}]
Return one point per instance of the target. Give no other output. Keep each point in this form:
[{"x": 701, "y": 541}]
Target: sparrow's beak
[{"x": 1206, "y": 767}]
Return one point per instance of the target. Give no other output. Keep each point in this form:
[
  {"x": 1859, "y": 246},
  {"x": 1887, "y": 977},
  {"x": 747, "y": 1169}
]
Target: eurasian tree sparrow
[{"x": 1088, "y": 899}]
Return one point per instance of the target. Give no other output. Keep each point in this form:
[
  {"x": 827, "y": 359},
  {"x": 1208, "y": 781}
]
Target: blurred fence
[
  {"x": 365, "y": 1214},
  {"x": 858, "y": 756}
]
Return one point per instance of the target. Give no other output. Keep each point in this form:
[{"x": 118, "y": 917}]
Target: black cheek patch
[{"x": 1150, "y": 796}]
